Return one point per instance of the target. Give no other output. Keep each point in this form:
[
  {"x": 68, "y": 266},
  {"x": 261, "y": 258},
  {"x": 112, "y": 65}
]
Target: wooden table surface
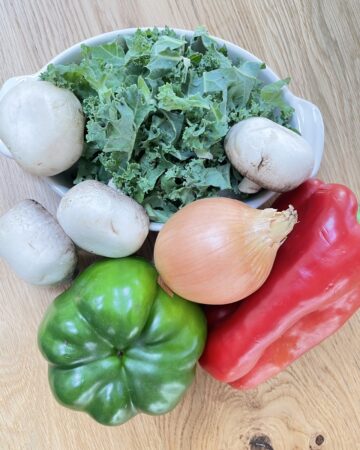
[{"x": 315, "y": 404}]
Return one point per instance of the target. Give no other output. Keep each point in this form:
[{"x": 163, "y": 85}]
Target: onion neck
[{"x": 282, "y": 224}]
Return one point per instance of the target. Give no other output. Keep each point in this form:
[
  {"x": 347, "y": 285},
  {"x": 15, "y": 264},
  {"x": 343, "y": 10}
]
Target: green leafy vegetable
[{"x": 158, "y": 109}]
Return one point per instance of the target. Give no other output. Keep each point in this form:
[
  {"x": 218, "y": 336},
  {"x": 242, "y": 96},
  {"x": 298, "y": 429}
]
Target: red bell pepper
[{"x": 313, "y": 288}]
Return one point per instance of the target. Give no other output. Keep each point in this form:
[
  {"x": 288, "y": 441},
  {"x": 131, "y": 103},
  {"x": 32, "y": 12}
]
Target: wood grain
[{"x": 315, "y": 404}]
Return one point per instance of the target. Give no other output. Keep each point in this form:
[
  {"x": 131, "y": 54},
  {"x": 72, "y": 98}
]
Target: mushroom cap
[
  {"x": 35, "y": 246},
  {"x": 42, "y": 126},
  {"x": 103, "y": 221},
  {"x": 269, "y": 154}
]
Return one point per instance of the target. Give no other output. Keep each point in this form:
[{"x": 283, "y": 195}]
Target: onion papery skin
[{"x": 219, "y": 250}]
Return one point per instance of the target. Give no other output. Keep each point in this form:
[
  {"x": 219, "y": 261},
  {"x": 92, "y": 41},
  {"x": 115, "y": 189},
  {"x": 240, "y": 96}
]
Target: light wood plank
[{"x": 316, "y": 42}]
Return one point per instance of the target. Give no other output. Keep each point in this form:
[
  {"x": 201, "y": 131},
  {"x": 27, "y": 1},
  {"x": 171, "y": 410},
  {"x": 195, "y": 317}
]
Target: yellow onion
[{"x": 219, "y": 250}]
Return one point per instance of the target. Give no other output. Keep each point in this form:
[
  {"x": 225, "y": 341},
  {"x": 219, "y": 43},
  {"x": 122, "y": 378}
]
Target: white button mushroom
[
  {"x": 268, "y": 155},
  {"x": 103, "y": 221},
  {"x": 42, "y": 126},
  {"x": 35, "y": 246}
]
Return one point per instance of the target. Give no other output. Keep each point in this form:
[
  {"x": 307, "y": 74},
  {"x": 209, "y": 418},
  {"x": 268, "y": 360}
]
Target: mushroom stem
[{"x": 248, "y": 187}]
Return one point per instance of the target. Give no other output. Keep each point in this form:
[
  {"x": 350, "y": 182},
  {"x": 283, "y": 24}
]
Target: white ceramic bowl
[{"x": 307, "y": 117}]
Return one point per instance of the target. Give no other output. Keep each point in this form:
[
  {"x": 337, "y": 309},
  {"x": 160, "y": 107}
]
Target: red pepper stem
[{"x": 282, "y": 224}]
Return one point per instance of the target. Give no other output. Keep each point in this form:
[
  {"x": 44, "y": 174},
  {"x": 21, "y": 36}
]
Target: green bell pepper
[{"x": 118, "y": 344}]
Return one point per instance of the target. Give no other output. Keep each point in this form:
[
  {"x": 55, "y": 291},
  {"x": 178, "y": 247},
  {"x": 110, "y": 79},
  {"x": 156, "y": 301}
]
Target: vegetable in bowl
[{"x": 157, "y": 110}]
